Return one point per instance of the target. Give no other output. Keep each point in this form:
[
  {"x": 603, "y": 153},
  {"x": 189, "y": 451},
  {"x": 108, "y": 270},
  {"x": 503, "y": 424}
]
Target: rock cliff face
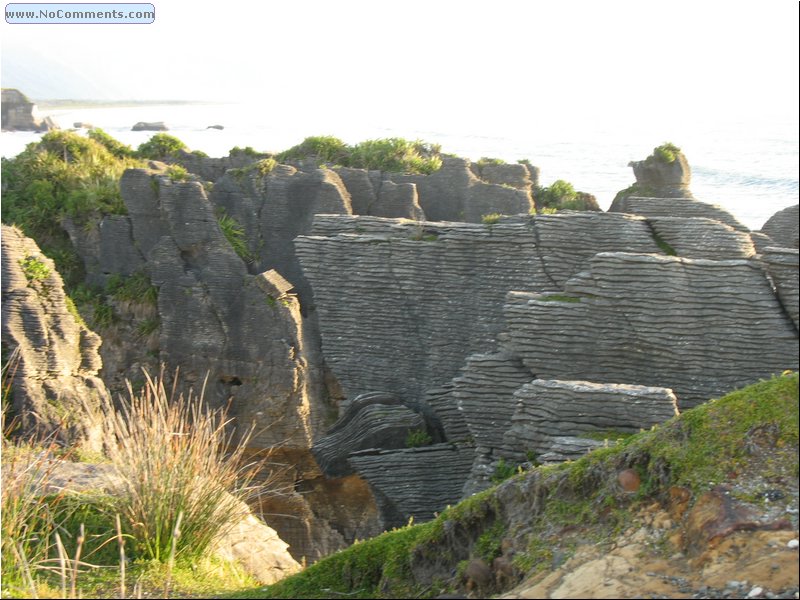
[
  {"x": 600, "y": 340},
  {"x": 402, "y": 304},
  {"x": 19, "y": 113},
  {"x": 54, "y": 359},
  {"x": 235, "y": 320}
]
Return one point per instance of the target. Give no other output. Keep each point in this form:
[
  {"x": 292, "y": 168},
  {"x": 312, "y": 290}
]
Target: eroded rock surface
[
  {"x": 783, "y": 226},
  {"x": 54, "y": 358},
  {"x": 698, "y": 327}
]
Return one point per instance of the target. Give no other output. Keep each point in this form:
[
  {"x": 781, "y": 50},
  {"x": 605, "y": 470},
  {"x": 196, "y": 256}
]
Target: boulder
[
  {"x": 150, "y": 126},
  {"x": 20, "y": 114}
]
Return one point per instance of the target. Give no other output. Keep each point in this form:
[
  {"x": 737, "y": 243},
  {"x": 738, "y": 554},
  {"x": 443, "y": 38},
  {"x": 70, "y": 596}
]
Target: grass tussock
[
  {"x": 182, "y": 475},
  {"x": 177, "y": 478}
]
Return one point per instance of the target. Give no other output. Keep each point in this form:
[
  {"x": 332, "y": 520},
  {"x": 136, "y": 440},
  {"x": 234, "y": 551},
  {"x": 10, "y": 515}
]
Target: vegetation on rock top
[{"x": 395, "y": 155}]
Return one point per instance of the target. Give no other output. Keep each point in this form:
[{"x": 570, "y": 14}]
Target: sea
[{"x": 748, "y": 165}]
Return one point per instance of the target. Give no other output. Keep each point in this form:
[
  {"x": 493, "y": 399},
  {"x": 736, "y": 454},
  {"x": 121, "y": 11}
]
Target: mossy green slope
[{"x": 704, "y": 447}]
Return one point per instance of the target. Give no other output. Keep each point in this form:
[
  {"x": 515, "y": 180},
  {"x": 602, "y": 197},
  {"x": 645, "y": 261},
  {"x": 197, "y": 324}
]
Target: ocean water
[{"x": 749, "y": 166}]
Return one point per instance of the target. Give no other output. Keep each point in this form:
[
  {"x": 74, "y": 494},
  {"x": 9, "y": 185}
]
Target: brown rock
[{"x": 629, "y": 480}]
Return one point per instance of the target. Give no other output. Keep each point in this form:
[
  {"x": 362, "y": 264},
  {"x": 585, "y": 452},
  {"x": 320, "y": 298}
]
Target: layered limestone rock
[
  {"x": 216, "y": 317},
  {"x": 20, "y": 114},
  {"x": 521, "y": 176},
  {"x": 698, "y": 237},
  {"x": 698, "y": 327},
  {"x": 402, "y": 304},
  {"x": 454, "y": 193},
  {"x": 551, "y": 419},
  {"x": 53, "y": 357},
  {"x": 370, "y": 194},
  {"x": 675, "y": 207},
  {"x": 782, "y": 266},
  {"x": 782, "y": 227},
  {"x": 276, "y": 207},
  {"x": 415, "y": 482},
  {"x": 370, "y": 421}
]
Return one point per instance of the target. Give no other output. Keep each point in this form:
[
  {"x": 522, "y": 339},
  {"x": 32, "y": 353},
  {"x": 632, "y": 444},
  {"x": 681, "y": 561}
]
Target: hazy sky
[{"x": 435, "y": 60}]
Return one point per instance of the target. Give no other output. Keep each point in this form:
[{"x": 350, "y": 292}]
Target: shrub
[
  {"x": 160, "y": 147},
  {"x": 63, "y": 175},
  {"x": 485, "y": 160},
  {"x": 555, "y": 195},
  {"x": 177, "y": 173},
  {"x": 395, "y": 155},
  {"x": 417, "y": 438},
  {"x": 491, "y": 218},
  {"x": 114, "y": 146},
  {"x": 179, "y": 470},
  {"x": 326, "y": 148},
  {"x": 666, "y": 152}
]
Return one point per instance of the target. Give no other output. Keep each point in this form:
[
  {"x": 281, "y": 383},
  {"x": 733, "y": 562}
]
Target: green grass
[
  {"x": 134, "y": 288},
  {"x": 491, "y": 218},
  {"x": 235, "y": 235},
  {"x": 34, "y": 269}
]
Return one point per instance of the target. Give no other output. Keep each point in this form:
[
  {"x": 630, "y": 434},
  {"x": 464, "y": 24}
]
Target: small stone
[
  {"x": 793, "y": 544},
  {"x": 755, "y": 592},
  {"x": 732, "y": 584}
]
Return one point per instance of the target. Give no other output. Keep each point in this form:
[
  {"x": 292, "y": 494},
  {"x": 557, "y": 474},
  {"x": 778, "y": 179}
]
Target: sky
[{"x": 432, "y": 61}]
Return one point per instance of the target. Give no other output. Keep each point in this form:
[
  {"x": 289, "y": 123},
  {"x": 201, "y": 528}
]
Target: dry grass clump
[{"x": 182, "y": 475}]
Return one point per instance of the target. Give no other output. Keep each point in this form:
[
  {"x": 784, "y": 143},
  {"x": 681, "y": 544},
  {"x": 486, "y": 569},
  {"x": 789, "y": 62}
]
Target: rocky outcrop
[
  {"x": 150, "y": 126},
  {"x": 698, "y": 327},
  {"x": 54, "y": 359},
  {"x": 402, "y": 304},
  {"x": 521, "y": 176},
  {"x": 454, "y": 193},
  {"x": 551, "y": 419},
  {"x": 675, "y": 207},
  {"x": 661, "y": 175},
  {"x": 274, "y": 208},
  {"x": 211, "y": 169},
  {"x": 415, "y": 482},
  {"x": 782, "y": 227},
  {"x": 782, "y": 266},
  {"x": 20, "y": 114}
]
